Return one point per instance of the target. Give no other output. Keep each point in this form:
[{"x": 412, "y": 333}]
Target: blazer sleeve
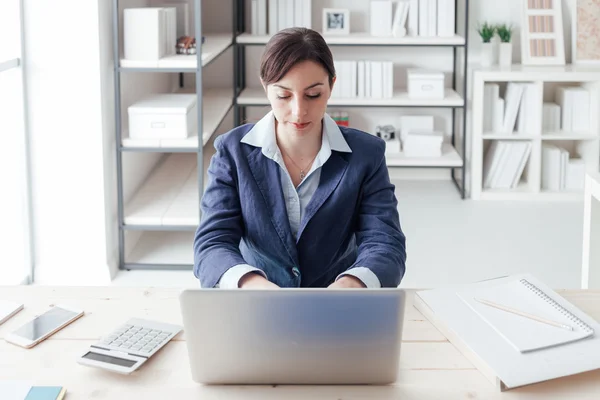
[
  {"x": 217, "y": 239},
  {"x": 381, "y": 242}
]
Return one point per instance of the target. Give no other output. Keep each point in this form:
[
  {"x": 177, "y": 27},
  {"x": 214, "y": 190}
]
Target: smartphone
[
  {"x": 43, "y": 326},
  {"x": 8, "y": 309}
]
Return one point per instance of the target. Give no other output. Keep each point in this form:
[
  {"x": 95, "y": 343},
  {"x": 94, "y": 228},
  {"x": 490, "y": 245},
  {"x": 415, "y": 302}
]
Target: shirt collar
[{"x": 262, "y": 135}]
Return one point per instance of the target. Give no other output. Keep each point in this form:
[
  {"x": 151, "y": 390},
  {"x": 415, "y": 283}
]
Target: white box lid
[
  {"x": 167, "y": 103},
  {"x": 419, "y": 73},
  {"x": 418, "y": 135}
]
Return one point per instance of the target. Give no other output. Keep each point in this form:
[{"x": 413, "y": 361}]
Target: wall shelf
[
  {"x": 169, "y": 196},
  {"x": 257, "y": 97},
  {"x": 216, "y": 105},
  {"x": 214, "y": 46},
  {"x": 449, "y": 158},
  {"x": 584, "y": 145},
  {"x": 162, "y": 249},
  {"x": 365, "y": 39}
]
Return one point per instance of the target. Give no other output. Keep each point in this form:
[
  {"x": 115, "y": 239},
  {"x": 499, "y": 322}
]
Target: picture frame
[
  {"x": 585, "y": 32},
  {"x": 542, "y": 36},
  {"x": 336, "y": 21}
]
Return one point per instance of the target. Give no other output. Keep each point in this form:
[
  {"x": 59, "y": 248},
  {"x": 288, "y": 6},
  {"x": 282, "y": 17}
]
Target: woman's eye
[
  {"x": 313, "y": 96},
  {"x": 282, "y": 97}
]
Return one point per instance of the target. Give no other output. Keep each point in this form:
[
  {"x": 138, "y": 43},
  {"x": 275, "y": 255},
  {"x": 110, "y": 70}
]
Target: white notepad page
[{"x": 522, "y": 333}]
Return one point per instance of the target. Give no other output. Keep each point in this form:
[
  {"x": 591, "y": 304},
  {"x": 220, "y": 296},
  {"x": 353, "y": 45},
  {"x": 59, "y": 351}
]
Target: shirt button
[{"x": 296, "y": 271}]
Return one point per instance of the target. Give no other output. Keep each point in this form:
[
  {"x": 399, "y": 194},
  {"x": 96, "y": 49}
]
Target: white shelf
[
  {"x": 169, "y": 196},
  {"x": 168, "y": 248},
  {"x": 545, "y": 136},
  {"x": 215, "y": 105},
  {"x": 546, "y": 73},
  {"x": 366, "y": 39},
  {"x": 213, "y": 46},
  {"x": 508, "y": 136},
  {"x": 256, "y": 96},
  {"x": 568, "y": 136},
  {"x": 449, "y": 158}
]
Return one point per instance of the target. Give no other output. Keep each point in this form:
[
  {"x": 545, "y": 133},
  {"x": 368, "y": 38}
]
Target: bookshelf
[
  {"x": 579, "y": 144},
  {"x": 160, "y": 181},
  {"x": 366, "y": 113}
]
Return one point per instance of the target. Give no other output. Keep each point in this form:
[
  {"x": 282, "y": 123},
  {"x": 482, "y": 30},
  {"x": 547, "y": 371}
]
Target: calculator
[{"x": 129, "y": 346}]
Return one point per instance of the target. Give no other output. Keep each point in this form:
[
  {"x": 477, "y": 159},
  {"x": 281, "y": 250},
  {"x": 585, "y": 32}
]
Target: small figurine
[
  {"x": 186, "y": 45},
  {"x": 386, "y": 132}
]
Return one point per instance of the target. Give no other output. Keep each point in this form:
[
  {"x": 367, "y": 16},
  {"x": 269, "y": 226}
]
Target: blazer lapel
[
  {"x": 331, "y": 174},
  {"x": 266, "y": 175}
]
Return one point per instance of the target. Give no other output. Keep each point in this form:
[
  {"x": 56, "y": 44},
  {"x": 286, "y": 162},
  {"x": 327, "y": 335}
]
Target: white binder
[{"x": 499, "y": 361}]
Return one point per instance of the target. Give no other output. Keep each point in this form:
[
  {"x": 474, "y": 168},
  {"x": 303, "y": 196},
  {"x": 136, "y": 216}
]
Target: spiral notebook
[{"x": 526, "y": 334}]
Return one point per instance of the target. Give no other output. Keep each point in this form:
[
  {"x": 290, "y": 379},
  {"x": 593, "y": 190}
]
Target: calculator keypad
[{"x": 136, "y": 338}]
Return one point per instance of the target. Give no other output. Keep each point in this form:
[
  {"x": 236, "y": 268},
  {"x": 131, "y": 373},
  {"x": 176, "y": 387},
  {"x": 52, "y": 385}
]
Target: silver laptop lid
[{"x": 293, "y": 336}]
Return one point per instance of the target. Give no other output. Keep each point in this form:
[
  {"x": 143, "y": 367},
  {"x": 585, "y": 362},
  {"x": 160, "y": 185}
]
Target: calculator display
[{"x": 109, "y": 359}]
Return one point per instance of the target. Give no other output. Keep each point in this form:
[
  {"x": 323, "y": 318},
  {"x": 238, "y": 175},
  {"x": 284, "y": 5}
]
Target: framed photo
[
  {"x": 585, "y": 27},
  {"x": 542, "y": 37},
  {"x": 336, "y": 21}
]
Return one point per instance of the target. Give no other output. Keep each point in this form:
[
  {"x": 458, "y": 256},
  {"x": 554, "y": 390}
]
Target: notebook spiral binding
[{"x": 577, "y": 321}]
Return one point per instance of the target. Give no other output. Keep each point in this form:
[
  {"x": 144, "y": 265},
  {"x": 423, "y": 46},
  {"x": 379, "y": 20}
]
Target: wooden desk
[{"x": 430, "y": 366}]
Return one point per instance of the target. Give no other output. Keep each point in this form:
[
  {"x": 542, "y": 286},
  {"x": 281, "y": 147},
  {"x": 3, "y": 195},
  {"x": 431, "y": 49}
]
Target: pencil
[{"x": 524, "y": 314}]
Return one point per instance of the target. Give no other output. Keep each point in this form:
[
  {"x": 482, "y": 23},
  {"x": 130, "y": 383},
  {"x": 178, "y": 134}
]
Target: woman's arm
[
  {"x": 216, "y": 244},
  {"x": 381, "y": 242}
]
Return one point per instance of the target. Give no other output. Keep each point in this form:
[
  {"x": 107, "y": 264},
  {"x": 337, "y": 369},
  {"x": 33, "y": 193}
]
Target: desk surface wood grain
[{"x": 430, "y": 366}]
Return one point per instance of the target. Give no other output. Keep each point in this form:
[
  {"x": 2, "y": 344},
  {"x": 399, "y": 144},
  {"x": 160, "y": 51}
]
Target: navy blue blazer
[{"x": 351, "y": 221}]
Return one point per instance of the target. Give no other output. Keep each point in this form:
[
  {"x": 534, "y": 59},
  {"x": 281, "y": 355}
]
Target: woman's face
[{"x": 299, "y": 99}]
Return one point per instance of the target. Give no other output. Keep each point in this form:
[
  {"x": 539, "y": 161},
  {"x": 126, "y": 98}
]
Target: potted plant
[
  {"x": 487, "y": 31},
  {"x": 505, "y": 54}
]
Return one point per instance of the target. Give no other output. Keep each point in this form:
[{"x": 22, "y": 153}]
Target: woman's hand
[
  {"x": 347, "y": 281},
  {"x": 253, "y": 280}
]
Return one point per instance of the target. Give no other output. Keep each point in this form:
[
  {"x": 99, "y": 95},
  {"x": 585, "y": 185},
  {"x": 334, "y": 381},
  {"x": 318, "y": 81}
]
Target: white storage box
[
  {"x": 423, "y": 144},
  {"x": 163, "y": 116},
  {"x": 425, "y": 84},
  {"x": 144, "y": 32}
]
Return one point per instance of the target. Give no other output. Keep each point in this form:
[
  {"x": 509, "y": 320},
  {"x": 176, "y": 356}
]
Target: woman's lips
[{"x": 300, "y": 126}]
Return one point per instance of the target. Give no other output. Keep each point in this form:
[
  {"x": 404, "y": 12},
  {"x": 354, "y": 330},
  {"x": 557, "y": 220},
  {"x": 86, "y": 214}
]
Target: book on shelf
[
  {"x": 559, "y": 171},
  {"x": 504, "y": 163},
  {"x": 271, "y": 16},
  {"x": 550, "y": 117},
  {"x": 574, "y": 103},
  {"x": 363, "y": 79}
]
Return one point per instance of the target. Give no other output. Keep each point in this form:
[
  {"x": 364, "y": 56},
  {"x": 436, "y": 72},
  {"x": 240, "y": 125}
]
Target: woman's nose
[{"x": 299, "y": 107}]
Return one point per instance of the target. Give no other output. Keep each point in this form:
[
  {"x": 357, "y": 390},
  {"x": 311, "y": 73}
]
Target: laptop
[{"x": 294, "y": 335}]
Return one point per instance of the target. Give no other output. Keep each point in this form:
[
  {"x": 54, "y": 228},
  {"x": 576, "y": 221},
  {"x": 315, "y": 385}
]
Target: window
[{"x": 15, "y": 239}]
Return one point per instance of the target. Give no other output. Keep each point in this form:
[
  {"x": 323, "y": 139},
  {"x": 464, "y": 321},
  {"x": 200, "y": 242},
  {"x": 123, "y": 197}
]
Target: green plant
[
  {"x": 486, "y": 31},
  {"x": 504, "y": 32}
]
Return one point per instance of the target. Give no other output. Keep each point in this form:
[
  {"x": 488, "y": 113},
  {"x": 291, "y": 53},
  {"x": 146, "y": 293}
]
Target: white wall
[{"x": 70, "y": 95}]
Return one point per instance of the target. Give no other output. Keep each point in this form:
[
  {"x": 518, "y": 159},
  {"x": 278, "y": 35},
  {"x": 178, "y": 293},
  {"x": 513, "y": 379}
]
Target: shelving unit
[
  {"x": 543, "y": 77},
  {"x": 454, "y": 151},
  {"x": 157, "y": 221}
]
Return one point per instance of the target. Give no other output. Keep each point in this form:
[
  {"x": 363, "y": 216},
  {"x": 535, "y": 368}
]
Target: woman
[{"x": 294, "y": 200}]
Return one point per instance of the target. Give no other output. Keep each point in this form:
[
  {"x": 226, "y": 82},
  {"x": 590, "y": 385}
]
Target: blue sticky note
[{"x": 46, "y": 393}]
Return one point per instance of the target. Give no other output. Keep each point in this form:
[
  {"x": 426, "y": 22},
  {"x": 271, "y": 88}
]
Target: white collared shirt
[{"x": 296, "y": 198}]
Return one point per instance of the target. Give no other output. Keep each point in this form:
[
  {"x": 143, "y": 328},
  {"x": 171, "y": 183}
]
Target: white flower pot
[
  {"x": 505, "y": 55},
  {"x": 487, "y": 54}
]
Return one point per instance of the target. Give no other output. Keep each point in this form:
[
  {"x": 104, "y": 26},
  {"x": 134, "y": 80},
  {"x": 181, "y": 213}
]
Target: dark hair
[{"x": 293, "y": 45}]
